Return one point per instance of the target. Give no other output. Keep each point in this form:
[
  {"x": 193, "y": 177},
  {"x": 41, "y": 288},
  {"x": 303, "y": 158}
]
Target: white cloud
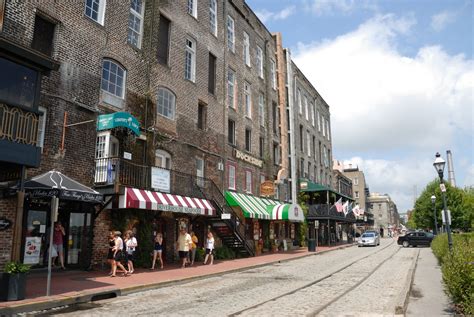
[
  {"x": 330, "y": 7},
  {"x": 266, "y": 16},
  {"x": 441, "y": 20}
]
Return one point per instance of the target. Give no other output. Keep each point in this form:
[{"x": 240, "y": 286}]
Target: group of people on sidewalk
[{"x": 121, "y": 251}]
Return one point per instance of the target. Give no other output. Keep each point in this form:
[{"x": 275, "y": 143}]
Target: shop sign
[
  {"x": 267, "y": 188},
  {"x": 184, "y": 210},
  {"x": 32, "y": 250},
  {"x": 5, "y": 224},
  {"x": 225, "y": 216},
  {"x": 160, "y": 179},
  {"x": 118, "y": 119},
  {"x": 303, "y": 185},
  {"x": 66, "y": 194},
  {"x": 248, "y": 158}
]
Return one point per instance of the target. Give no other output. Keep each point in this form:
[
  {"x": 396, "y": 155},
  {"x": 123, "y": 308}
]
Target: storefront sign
[
  {"x": 303, "y": 185},
  {"x": 185, "y": 210},
  {"x": 32, "y": 250},
  {"x": 160, "y": 179},
  {"x": 267, "y": 188},
  {"x": 118, "y": 119},
  {"x": 247, "y": 158},
  {"x": 4, "y": 224},
  {"x": 66, "y": 194},
  {"x": 225, "y": 216}
]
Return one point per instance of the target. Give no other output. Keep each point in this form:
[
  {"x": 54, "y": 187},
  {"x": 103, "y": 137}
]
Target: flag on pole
[
  {"x": 338, "y": 205},
  {"x": 356, "y": 210},
  {"x": 345, "y": 207}
]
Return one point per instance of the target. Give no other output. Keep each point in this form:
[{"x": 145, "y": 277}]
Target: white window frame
[
  {"x": 246, "y": 49},
  {"x": 327, "y": 129},
  {"x": 261, "y": 108},
  {"x": 308, "y": 141},
  {"x": 192, "y": 8},
  {"x": 100, "y": 10},
  {"x": 324, "y": 126},
  {"x": 231, "y": 180},
  {"x": 233, "y": 132},
  {"x": 230, "y": 88},
  {"x": 300, "y": 102},
  {"x": 41, "y": 127},
  {"x": 248, "y": 100},
  {"x": 248, "y": 181},
  {"x": 190, "y": 60},
  {"x": 356, "y": 181},
  {"x": 312, "y": 113},
  {"x": 165, "y": 159},
  {"x": 259, "y": 61},
  {"x": 230, "y": 34},
  {"x": 319, "y": 121},
  {"x": 356, "y": 194},
  {"x": 137, "y": 15},
  {"x": 171, "y": 106},
  {"x": 306, "y": 108},
  {"x": 273, "y": 71},
  {"x": 200, "y": 171},
  {"x": 213, "y": 16},
  {"x": 109, "y": 83}
]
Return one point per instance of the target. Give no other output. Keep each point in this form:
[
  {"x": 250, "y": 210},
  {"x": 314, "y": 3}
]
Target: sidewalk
[{"x": 73, "y": 287}]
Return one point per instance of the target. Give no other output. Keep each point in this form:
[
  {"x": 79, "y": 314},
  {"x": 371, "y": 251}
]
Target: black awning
[
  {"x": 54, "y": 183},
  {"x": 322, "y": 212}
]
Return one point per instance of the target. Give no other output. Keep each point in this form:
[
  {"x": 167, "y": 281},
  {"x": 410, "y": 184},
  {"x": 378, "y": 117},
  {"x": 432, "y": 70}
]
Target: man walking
[{"x": 183, "y": 244}]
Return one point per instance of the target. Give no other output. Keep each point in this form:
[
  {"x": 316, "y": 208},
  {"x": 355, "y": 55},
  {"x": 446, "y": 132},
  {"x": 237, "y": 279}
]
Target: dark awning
[
  {"x": 324, "y": 212},
  {"x": 54, "y": 183},
  {"x": 309, "y": 186}
]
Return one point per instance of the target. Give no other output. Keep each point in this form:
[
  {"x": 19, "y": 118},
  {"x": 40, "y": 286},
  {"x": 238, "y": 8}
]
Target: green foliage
[
  {"x": 200, "y": 254},
  {"x": 224, "y": 253},
  {"x": 460, "y": 202},
  {"x": 303, "y": 227},
  {"x": 16, "y": 267},
  {"x": 458, "y": 269}
]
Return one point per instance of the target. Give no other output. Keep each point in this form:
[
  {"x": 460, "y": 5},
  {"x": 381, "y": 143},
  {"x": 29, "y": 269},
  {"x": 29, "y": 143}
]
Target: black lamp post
[
  {"x": 433, "y": 200},
  {"x": 439, "y": 167}
]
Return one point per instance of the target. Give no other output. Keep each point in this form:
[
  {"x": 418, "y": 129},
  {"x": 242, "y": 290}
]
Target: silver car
[{"x": 369, "y": 238}]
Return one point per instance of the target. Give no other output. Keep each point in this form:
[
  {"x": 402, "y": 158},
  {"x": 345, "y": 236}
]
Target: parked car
[
  {"x": 372, "y": 231},
  {"x": 415, "y": 239},
  {"x": 369, "y": 238}
]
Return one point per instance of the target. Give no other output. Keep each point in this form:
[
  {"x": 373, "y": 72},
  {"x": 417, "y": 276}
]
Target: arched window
[
  {"x": 162, "y": 159},
  {"x": 113, "y": 78},
  {"x": 166, "y": 103}
]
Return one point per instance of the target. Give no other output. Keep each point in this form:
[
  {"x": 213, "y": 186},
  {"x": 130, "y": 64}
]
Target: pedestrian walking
[
  {"x": 183, "y": 245},
  {"x": 209, "y": 248},
  {"x": 118, "y": 254},
  {"x": 192, "y": 252},
  {"x": 130, "y": 244},
  {"x": 158, "y": 250},
  {"x": 58, "y": 242},
  {"x": 110, "y": 253}
]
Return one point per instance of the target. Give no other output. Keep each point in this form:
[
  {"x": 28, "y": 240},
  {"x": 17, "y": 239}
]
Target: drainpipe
[{"x": 289, "y": 86}]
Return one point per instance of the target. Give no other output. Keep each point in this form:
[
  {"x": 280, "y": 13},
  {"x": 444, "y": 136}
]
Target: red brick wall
[{"x": 7, "y": 210}]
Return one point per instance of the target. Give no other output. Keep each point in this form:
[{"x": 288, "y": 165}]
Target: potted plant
[{"x": 13, "y": 281}]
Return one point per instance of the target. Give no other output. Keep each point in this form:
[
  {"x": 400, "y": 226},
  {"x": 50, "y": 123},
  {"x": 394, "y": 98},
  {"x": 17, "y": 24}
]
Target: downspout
[
  {"x": 289, "y": 86},
  {"x": 224, "y": 96}
]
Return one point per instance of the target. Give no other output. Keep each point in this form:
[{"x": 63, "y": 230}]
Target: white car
[{"x": 369, "y": 238}]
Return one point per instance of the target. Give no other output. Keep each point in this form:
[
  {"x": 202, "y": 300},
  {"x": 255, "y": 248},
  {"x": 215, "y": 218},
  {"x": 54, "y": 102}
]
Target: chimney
[{"x": 451, "y": 178}]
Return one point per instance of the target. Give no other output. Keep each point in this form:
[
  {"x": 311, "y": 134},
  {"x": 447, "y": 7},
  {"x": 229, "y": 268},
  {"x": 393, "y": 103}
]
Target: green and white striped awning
[{"x": 264, "y": 208}]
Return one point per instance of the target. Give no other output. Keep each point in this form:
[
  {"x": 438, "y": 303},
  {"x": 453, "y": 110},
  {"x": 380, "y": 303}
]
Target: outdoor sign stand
[{"x": 54, "y": 215}]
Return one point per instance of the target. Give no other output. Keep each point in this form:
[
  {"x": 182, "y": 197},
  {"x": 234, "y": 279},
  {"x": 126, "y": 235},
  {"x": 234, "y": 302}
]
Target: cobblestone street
[{"x": 351, "y": 280}]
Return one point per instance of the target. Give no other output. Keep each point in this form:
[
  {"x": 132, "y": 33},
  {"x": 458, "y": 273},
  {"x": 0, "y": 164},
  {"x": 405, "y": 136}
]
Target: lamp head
[
  {"x": 439, "y": 165},
  {"x": 433, "y": 199}
]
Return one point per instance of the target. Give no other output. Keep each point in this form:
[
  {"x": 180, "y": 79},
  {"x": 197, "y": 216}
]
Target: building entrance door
[{"x": 78, "y": 232}]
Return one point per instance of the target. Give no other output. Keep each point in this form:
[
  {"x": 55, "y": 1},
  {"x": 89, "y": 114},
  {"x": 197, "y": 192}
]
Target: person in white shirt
[
  {"x": 183, "y": 245},
  {"x": 209, "y": 248},
  {"x": 118, "y": 254},
  {"x": 131, "y": 244}
]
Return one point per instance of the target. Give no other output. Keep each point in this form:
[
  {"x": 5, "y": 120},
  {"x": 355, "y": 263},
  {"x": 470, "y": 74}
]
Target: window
[
  {"x": 312, "y": 113},
  {"x": 231, "y": 132},
  {"x": 202, "y": 117},
  {"x": 162, "y": 159},
  {"x": 190, "y": 61},
  {"x": 230, "y": 34},
  {"x": 41, "y": 127},
  {"x": 106, "y": 145},
  {"x": 213, "y": 16},
  {"x": 324, "y": 129},
  {"x": 246, "y": 52},
  {"x": 319, "y": 122},
  {"x": 261, "y": 109},
  {"x": 308, "y": 171},
  {"x": 192, "y": 8},
  {"x": 356, "y": 181},
  {"x": 300, "y": 102},
  {"x": 325, "y": 153},
  {"x": 259, "y": 62},
  {"x": 166, "y": 103},
  {"x": 301, "y": 138},
  {"x": 43, "y": 36},
  {"x": 356, "y": 194},
  {"x": 231, "y": 176},
  {"x": 211, "y": 81},
  {"x": 95, "y": 9},
  {"x": 273, "y": 71},
  {"x": 276, "y": 153},
  {"x": 327, "y": 129},
  {"x": 276, "y": 121},
  {"x": 248, "y": 140},
  {"x": 163, "y": 40},
  {"x": 248, "y": 181},
  {"x": 200, "y": 171},
  {"x": 314, "y": 148},
  {"x": 135, "y": 23},
  {"x": 306, "y": 107},
  {"x": 302, "y": 168},
  {"x": 113, "y": 78},
  {"x": 230, "y": 88},
  {"x": 308, "y": 143},
  {"x": 261, "y": 147},
  {"x": 247, "y": 100},
  {"x": 18, "y": 83}
]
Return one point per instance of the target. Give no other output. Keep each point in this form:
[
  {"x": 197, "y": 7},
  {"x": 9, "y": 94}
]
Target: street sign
[
  {"x": 442, "y": 187},
  {"x": 316, "y": 224}
]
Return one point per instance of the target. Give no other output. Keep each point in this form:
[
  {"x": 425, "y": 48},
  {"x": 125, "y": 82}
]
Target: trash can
[{"x": 312, "y": 245}]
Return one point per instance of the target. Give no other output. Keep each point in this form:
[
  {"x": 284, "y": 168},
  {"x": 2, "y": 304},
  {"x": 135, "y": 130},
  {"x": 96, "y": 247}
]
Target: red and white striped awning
[{"x": 150, "y": 200}]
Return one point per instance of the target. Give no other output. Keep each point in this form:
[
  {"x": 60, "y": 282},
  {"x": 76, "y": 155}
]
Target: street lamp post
[
  {"x": 439, "y": 167},
  {"x": 433, "y": 199}
]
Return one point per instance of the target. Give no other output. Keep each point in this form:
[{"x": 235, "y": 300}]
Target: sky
[{"x": 398, "y": 77}]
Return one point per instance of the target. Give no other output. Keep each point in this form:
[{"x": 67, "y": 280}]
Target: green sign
[{"x": 118, "y": 119}]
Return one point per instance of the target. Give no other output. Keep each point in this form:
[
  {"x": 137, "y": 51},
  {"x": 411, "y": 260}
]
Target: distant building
[
  {"x": 342, "y": 183},
  {"x": 360, "y": 188},
  {"x": 385, "y": 211}
]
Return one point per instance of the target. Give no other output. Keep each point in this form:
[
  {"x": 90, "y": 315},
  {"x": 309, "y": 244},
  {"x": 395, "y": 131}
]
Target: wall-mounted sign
[
  {"x": 127, "y": 155},
  {"x": 32, "y": 250},
  {"x": 267, "y": 188},
  {"x": 303, "y": 185},
  {"x": 225, "y": 216},
  {"x": 160, "y": 179},
  {"x": 4, "y": 224},
  {"x": 248, "y": 158},
  {"x": 118, "y": 119}
]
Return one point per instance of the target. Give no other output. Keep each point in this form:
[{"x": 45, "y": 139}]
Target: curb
[
  {"x": 60, "y": 300},
  {"x": 402, "y": 299}
]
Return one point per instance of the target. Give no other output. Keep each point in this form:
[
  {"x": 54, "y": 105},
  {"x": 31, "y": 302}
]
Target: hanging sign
[
  {"x": 267, "y": 188},
  {"x": 5, "y": 224},
  {"x": 32, "y": 250},
  {"x": 118, "y": 119},
  {"x": 160, "y": 179}
]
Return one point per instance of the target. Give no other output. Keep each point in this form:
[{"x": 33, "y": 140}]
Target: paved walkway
[
  {"x": 71, "y": 287},
  {"x": 427, "y": 297}
]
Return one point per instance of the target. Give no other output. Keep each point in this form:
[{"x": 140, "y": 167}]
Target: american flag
[{"x": 338, "y": 205}]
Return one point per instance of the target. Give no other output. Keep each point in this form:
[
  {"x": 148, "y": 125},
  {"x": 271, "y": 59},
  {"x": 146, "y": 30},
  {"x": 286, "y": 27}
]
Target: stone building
[
  {"x": 360, "y": 188},
  {"x": 385, "y": 212},
  {"x": 342, "y": 183}
]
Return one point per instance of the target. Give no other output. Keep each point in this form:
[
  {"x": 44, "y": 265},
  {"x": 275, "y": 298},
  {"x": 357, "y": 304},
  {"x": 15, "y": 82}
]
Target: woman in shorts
[
  {"x": 130, "y": 245},
  {"x": 158, "y": 250},
  {"x": 209, "y": 248}
]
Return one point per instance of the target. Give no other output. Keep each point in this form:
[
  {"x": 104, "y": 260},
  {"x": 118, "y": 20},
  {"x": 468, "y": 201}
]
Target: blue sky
[{"x": 399, "y": 79}]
